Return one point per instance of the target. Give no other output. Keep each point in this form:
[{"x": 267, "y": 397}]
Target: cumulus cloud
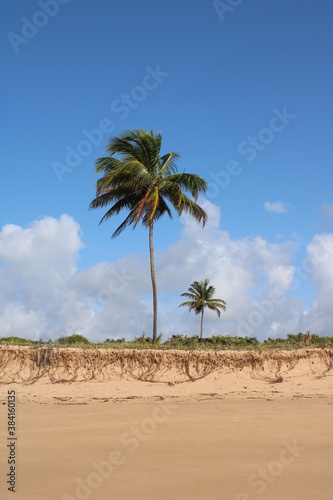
[
  {"x": 35, "y": 281},
  {"x": 244, "y": 272},
  {"x": 318, "y": 265},
  {"x": 43, "y": 294},
  {"x": 277, "y": 207}
]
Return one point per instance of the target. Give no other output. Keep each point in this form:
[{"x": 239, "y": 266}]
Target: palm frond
[
  {"x": 139, "y": 208},
  {"x": 193, "y": 209},
  {"x": 107, "y": 164},
  {"x": 154, "y": 202},
  {"x": 190, "y": 182},
  {"x": 168, "y": 164},
  {"x": 193, "y": 306},
  {"x": 216, "y": 309},
  {"x": 127, "y": 222},
  {"x": 116, "y": 208},
  {"x": 218, "y": 303},
  {"x": 192, "y": 296}
]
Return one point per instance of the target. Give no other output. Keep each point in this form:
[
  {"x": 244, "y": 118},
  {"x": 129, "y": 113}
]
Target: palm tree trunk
[
  {"x": 153, "y": 282},
  {"x": 202, "y": 315}
]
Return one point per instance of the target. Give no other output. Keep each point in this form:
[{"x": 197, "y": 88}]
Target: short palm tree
[
  {"x": 201, "y": 296},
  {"x": 143, "y": 182}
]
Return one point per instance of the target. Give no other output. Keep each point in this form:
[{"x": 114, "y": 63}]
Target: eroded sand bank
[{"x": 84, "y": 375}]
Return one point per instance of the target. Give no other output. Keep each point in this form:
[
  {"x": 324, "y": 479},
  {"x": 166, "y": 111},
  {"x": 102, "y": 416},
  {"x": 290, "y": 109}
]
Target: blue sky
[{"x": 242, "y": 92}]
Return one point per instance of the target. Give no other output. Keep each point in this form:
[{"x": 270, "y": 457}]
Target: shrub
[
  {"x": 73, "y": 339},
  {"x": 17, "y": 341},
  {"x": 114, "y": 341}
]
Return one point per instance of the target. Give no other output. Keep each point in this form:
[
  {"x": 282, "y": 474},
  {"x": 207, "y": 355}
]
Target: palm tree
[
  {"x": 142, "y": 181},
  {"x": 201, "y": 296}
]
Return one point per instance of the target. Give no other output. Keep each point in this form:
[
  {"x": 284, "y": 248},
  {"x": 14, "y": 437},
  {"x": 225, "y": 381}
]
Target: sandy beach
[{"x": 227, "y": 425}]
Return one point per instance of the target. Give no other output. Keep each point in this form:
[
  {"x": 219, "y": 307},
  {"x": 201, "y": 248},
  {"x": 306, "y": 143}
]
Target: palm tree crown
[
  {"x": 201, "y": 296},
  {"x": 145, "y": 183}
]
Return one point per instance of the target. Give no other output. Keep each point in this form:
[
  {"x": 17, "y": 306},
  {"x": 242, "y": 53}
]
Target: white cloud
[
  {"x": 38, "y": 265},
  {"x": 242, "y": 271},
  {"x": 277, "y": 207},
  {"x": 318, "y": 317},
  {"x": 43, "y": 294}
]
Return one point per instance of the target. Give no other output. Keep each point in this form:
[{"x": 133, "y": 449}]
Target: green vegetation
[
  {"x": 18, "y": 341},
  {"x": 216, "y": 342},
  {"x": 201, "y": 295},
  {"x": 146, "y": 184},
  {"x": 74, "y": 339}
]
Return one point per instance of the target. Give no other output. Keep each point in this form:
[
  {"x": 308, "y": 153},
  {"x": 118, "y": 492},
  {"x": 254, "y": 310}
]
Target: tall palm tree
[
  {"x": 143, "y": 182},
  {"x": 201, "y": 296}
]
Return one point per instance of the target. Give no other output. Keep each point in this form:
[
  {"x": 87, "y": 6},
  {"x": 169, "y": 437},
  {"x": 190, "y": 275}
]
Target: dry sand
[{"x": 102, "y": 424}]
